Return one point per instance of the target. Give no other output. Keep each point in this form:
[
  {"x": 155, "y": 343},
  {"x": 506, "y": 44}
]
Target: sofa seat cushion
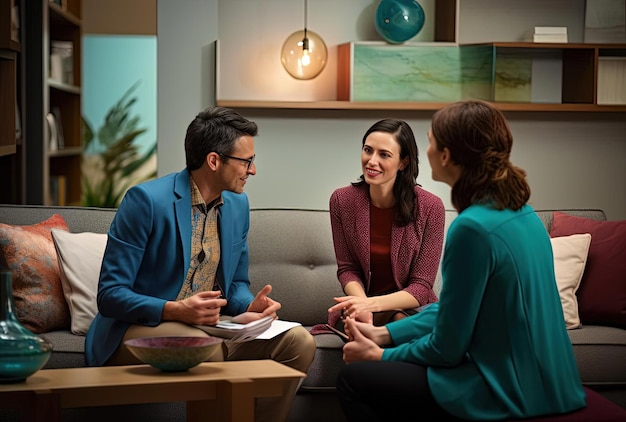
[
  {"x": 328, "y": 360},
  {"x": 68, "y": 350},
  {"x": 600, "y": 352}
]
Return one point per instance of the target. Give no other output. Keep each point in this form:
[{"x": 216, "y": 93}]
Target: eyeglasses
[{"x": 249, "y": 161}]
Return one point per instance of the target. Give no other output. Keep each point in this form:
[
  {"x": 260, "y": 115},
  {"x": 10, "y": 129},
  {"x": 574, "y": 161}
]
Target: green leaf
[{"x": 115, "y": 147}]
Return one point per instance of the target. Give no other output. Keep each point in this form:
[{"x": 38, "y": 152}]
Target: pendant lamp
[{"x": 304, "y": 52}]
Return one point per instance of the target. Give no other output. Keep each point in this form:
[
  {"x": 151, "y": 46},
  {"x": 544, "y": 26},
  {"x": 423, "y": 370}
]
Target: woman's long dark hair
[
  {"x": 479, "y": 139},
  {"x": 406, "y": 179}
]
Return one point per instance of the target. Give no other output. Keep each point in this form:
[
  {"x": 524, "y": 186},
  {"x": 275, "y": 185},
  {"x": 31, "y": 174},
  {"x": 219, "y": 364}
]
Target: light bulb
[
  {"x": 304, "y": 54},
  {"x": 306, "y": 58}
]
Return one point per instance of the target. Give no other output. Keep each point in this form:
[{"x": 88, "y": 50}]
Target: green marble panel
[
  {"x": 421, "y": 73},
  {"x": 513, "y": 77}
]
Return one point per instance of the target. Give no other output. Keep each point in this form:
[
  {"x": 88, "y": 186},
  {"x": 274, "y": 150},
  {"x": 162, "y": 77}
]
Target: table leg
[
  {"x": 236, "y": 401},
  {"x": 201, "y": 410},
  {"x": 47, "y": 407}
]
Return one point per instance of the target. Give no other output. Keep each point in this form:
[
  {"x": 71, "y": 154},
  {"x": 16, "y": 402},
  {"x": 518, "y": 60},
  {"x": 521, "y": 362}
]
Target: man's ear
[{"x": 212, "y": 160}]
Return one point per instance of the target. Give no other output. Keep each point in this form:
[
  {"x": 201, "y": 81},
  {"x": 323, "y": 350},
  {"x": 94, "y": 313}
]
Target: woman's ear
[
  {"x": 404, "y": 163},
  {"x": 446, "y": 158}
]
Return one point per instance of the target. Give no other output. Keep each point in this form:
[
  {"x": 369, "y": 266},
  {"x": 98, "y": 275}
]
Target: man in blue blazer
[{"x": 177, "y": 256}]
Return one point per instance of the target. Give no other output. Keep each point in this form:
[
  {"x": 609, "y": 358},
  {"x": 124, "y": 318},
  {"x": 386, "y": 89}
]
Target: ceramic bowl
[{"x": 173, "y": 353}]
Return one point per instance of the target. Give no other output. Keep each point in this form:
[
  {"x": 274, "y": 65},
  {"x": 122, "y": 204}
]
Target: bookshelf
[
  {"x": 10, "y": 115},
  {"x": 53, "y": 93}
]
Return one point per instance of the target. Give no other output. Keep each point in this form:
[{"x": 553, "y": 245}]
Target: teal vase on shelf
[
  {"x": 22, "y": 353},
  {"x": 397, "y": 21}
]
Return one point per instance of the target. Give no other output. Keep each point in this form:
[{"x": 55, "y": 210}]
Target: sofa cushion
[
  {"x": 68, "y": 350},
  {"x": 80, "y": 258},
  {"x": 30, "y": 256},
  {"x": 328, "y": 361},
  {"x": 599, "y": 352},
  {"x": 602, "y": 292},
  {"x": 570, "y": 257}
]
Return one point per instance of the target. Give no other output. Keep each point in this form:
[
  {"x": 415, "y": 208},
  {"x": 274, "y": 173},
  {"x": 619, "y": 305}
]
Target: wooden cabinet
[
  {"x": 551, "y": 77},
  {"x": 53, "y": 95}
]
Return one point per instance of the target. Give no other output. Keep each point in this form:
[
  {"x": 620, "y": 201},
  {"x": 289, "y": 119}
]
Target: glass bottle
[{"x": 22, "y": 353}]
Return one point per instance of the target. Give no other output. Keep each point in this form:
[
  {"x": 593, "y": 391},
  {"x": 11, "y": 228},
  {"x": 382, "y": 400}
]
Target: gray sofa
[{"x": 292, "y": 250}]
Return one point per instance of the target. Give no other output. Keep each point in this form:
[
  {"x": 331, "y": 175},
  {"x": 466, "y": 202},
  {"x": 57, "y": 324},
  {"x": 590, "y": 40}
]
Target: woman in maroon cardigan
[{"x": 387, "y": 230}]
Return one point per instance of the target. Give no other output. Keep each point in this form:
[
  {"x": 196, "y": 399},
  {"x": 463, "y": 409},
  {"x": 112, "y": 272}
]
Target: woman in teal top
[{"x": 495, "y": 347}]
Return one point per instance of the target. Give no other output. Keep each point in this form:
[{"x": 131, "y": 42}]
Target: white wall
[{"x": 572, "y": 159}]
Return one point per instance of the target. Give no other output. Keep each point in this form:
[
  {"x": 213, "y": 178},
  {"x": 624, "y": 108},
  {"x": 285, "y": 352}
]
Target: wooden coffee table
[{"x": 223, "y": 391}]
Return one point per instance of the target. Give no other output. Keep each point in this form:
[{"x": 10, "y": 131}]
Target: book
[
  {"x": 611, "y": 80},
  {"x": 53, "y": 132},
  {"x": 547, "y": 34},
  {"x": 261, "y": 329},
  {"x": 57, "y": 190},
  {"x": 59, "y": 123},
  {"x": 551, "y": 30},
  {"x": 556, "y": 38}
]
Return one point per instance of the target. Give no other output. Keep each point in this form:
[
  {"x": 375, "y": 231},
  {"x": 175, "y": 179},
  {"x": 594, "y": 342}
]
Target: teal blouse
[{"x": 495, "y": 345}]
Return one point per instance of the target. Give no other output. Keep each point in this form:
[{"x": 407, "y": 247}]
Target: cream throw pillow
[
  {"x": 80, "y": 258},
  {"x": 570, "y": 258}
]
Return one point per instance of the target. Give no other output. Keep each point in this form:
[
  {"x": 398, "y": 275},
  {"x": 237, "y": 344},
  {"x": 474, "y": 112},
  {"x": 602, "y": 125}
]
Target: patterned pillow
[{"x": 32, "y": 259}]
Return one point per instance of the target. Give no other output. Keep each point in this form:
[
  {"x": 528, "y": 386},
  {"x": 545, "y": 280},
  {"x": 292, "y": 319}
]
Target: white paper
[{"x": 278, "y": 327}]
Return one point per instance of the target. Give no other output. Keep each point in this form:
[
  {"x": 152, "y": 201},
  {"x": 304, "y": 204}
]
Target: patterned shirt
[{"x": 205, "y": 245}]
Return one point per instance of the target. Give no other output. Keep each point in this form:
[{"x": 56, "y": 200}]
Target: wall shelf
[
  {"x": 408, "y": 106},
  {"x": 572, "y": 87}
]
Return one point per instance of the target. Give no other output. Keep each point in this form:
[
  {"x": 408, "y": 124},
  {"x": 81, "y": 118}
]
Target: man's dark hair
[{"x": 214, "y": 130}]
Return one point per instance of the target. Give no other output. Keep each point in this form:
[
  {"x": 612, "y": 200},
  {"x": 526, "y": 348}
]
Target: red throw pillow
[
  {"x": 36, "y": 279},
  {"x": 602, "y": 291}
]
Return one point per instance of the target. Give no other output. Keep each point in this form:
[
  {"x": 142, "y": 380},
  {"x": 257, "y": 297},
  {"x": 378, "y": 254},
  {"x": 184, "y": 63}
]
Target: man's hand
[
  {"x": 360, "y": 347},
  {"x": 202, "y": 308},
  {"x": 263, "y": 304}
]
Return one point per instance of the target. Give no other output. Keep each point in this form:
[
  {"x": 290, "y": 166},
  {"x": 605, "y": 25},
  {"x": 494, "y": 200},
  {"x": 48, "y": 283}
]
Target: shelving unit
[
  {"x": 578, "y": 81},
  {"x": 8, "y": 100},
  {"x": 10, "y": 55},
  {"x": 50, "y": 166},
  {"x": 10, "y": 47}
]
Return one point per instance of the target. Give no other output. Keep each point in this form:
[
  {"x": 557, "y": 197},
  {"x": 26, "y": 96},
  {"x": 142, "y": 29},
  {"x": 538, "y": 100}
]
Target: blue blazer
[{"x": 147, "y": 257}]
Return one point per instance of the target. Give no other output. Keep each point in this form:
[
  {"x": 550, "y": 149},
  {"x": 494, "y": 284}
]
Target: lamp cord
[
  {"x": 305, "y": 15},
  {"x": 305, "y": 20}
]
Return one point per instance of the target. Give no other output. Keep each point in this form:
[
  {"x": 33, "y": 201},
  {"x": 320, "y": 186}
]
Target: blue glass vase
[
  {"x": 22, "y": 353},
  {"x": 397, "y": 21}
]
